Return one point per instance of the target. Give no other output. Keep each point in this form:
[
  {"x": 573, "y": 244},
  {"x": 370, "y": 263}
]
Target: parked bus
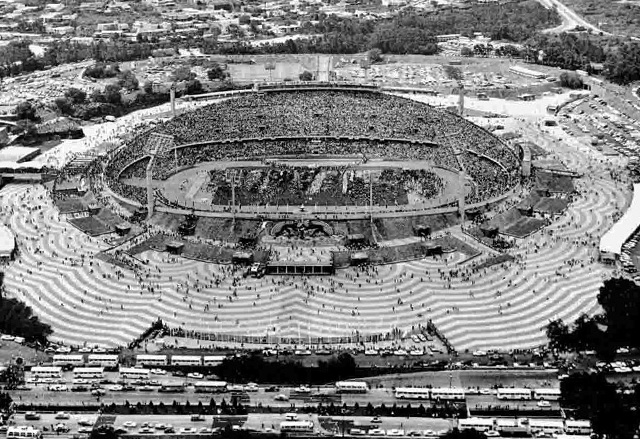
[
  {"x": 213, "y": 360},
  {"x": 210, "y": 387},
  {"x": 46, "y": 372},
  {"x": 296, "y": 426},
  {"x": 548, "y": 426},
  {"x": 23, "y": 431},
  {"x": 549, "y": 394},
  {"x": 133, "y": 373},
  {"x": 88, "y": 372},
  {"x": 509, "y": 393},
  {"x": 352, "y": 387},
  {"x": 186, "y": 360},
  {"x": 172, "y": 387},
  {"x": 412, "y": 393},
  {"x": 448, "y": 394},
  {"x": 101, "y": 360},
  {"x": 479, "y": 424},
  {"x": 68, "y": 360},
  {"x": 151, "y": 360},
  {"x": 578, "y": 427}
]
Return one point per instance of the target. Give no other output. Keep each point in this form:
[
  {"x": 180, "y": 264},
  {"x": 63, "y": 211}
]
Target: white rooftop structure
[
  {"x": 612, "y": 241},
  {"x": 7, "y": 241}
]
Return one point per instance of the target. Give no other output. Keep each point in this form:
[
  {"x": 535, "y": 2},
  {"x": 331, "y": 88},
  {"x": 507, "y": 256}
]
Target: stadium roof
[
  {"x": 613, "y": 240},
  {"x": 7, "y": 241}
]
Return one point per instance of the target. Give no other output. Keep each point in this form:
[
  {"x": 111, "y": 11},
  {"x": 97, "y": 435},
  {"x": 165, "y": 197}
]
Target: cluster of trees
[
  {"x": 233, "y": 407},
  {"x": 17, "y": 319},
  {"x": 612, "y": 412},
  {"x": 254, "y": 368},
  {"x": 618, "y": 326},
  {"x": 16, "y": 58},
  {"x": 102, "y": 70},
  {"x": 109, "y": 102},
  {"x": 571, "y": 80}
]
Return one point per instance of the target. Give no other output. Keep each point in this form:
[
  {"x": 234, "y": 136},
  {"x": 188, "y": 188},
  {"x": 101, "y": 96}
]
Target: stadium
[
  {"x": 357, "y": 189},
  {"x": 339, "y": 155}
]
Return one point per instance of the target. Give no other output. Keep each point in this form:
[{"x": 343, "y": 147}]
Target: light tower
[
  {"x": 172, "y": 95},
  {"x": 460, "y": 98}
]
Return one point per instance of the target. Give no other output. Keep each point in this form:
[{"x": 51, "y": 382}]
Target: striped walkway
[{"x": 555, "y": 275}]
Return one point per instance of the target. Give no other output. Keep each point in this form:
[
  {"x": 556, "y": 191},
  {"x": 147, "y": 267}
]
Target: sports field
[{"x": 330, "y": 182}]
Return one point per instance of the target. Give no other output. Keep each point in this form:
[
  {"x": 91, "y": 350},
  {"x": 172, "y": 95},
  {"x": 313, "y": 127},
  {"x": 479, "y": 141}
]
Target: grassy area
[
  {"x": 617, "y": 17},
  {"x": 10, "y": 350}
]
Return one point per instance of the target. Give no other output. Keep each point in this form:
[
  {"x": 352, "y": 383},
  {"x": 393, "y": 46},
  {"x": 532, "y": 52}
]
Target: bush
[
  {"x": 24, "y": 110},
  {"x": 306, "y": 76}
]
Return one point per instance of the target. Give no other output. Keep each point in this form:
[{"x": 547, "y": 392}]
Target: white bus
[
  {"x": 549, "y": 394},
  {"x": 151, "y": 360},
  {"x": 412, "y": 392},
  {"x": 213, "y": 360},
  {"x": 352, "y": 387},
  {"x": 172, "y": 387},
  {"x": 210, "y": 387},
  {"x": 102, "y": 360},
  {"x": 46, "y": 372},
  {"x": 88, "y": 372},
  {"x": 578, "y": 427},
  {"x": 134, "y": 373},
  {"x": 550, "y": 426},
  {"x": 509, "y": 393},
  {"x": 23, "y": 431},
  {"x": 297, "y": 426},
  {"x": 186, "y": 360},
  {"x": 448, "y": 393},
  {"x": 68, "y": 360},
  {"x": 479, "y": 424}
]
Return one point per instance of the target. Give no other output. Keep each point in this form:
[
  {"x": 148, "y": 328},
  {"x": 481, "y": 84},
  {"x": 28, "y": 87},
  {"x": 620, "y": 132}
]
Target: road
[
  {"x": 569, "y": 19},
  {"x": 261, "y": 422}
]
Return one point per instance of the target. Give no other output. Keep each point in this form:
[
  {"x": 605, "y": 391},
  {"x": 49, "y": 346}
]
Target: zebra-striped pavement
[{"x": 555, "y": 275}]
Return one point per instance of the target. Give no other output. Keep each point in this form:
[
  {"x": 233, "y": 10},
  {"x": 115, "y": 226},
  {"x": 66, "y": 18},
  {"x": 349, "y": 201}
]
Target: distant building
[
  {"x": 447, "y": 37},
  {"x": 528, "y": 73},
  {"x": 111, "y": 27}
]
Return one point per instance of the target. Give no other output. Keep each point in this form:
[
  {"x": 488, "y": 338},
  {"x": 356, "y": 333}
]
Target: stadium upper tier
[{"x": 352, "y": 122}]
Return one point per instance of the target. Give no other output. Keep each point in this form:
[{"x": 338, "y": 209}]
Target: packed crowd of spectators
[
  {"x": 331, "y": 185},
  {"x": 350, "y": 122}
]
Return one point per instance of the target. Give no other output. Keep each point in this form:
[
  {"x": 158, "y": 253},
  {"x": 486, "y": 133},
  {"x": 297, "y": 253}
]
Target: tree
[
  {"x": 128, "y": 80},
  {"x": 193, "y": 87},
  {"x": 375, "y": 56},
  {"x": 216, "y": 72},
  {"x": 466, "y": 51},
  {"x": 306, "y": 76},
  {"x": 75, "y": 95},
  {"x": 453, "y": 73},
  {"x": 112, "y": 94},
  {"x": 65, "y": 105},
  {"x": 594, "y": 398},
  {"x": 97, "y": 96},
  {"x": 558, "y": 335},
  {"x": 183, "y": 73},
  {"x": 24, "y": 110},
  {"x": 148, "y": 87},
  {"x": 571, "y": 80}
]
